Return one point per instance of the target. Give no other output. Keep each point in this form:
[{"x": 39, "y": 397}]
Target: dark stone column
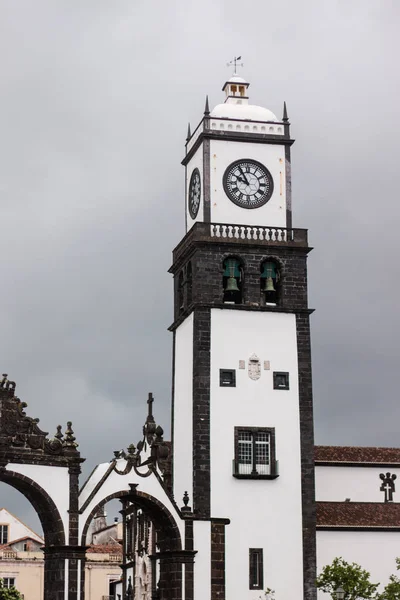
[
  {"x": 171, "y": 563},
  {"x": 73, "y": 575},
  {"x": 54, "y": 571},
  {"x": 217, "y": 561},
  {"x": 201, "y": 411},
  {"x": 307, "y": 455},
  {"x": 206, "y": 182},
  {"x": 189, "y": 566}
]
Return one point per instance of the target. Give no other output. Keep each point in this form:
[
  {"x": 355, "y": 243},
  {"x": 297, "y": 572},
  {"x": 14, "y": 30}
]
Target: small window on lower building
[
  {"x": 3, "y": 534},
  {"x": 8, "y": 582},
  {"x": 281, "y": 380},
  {"x": 227, "y": 377},
  {"x": 255, "y": 453},
  {"x": 256, "y": 568}
]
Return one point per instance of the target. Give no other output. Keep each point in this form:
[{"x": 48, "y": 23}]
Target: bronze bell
[
  {"x": 269, "y": 285},
  {"x": 231, "y": 285}
]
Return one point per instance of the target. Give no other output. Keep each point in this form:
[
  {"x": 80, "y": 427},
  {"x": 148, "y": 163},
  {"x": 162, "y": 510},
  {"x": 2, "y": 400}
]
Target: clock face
[
  {"x": 194, "y": 193},
  {"x": 248, "y": 183}
]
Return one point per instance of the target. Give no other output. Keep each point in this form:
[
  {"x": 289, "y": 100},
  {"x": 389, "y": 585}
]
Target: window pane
[
  {"x": 245, "y": 452},
  {"x": 262, "y": 453}
]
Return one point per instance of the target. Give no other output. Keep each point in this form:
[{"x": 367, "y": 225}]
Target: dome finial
[{"x": 207, "y": 107}]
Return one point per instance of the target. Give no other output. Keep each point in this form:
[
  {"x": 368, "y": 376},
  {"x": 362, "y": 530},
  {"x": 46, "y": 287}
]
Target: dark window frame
[
  {"x": 4, "y": 529},
  {"x": 231, "y": 372},
  {"x": 274, "y": 473},
  {"x": 284, "y": 374},
  {"x": 7, "y": 582},
  {"x": 256, "y": 578}
]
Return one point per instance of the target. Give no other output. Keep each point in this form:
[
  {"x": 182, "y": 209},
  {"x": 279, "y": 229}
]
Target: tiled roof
[
  {"x": 22, "y": 539},
  {"x": 105, "y": 549},
  {"x": 358, "y": 515},
  {"x": 357, "y": 454}
]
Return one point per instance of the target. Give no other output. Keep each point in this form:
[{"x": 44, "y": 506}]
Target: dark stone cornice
[{"x": 236, "y": 136}]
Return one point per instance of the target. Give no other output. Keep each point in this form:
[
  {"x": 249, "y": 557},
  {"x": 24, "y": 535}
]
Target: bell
[
  {"x": 231, "y": 285},
  {"x": 269, "y": 285}
]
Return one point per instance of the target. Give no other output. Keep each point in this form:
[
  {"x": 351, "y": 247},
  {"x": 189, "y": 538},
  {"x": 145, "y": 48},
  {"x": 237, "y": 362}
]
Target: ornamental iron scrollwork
[{"x": 153, "y": 441}]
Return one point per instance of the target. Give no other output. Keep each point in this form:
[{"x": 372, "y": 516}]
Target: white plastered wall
[
  {"x": 54, "y": 481},
  {"x": 222, "y": 154},
  {"x": 202, "y": 561},
  {"x": 360, "y": 484},
  {"x": 374, "y": 551},
  {"x": 183, "y": 410},
  {"x": 264, "y": 513}
]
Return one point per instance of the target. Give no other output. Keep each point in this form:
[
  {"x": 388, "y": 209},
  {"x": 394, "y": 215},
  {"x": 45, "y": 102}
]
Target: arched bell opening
[
  {"x": 270, "y": 278},
  {"x": 233, "y": 280}
]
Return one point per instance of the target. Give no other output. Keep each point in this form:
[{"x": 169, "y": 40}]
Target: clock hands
[{"x": 242, "y": 172}]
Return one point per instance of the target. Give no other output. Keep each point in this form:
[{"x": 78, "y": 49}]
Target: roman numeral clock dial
[
  {"x": 194, "y": 193},
  {"x": 248, "y": 183}
]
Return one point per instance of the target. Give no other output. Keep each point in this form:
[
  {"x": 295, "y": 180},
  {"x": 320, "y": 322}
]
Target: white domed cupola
[
  {"x": 236, "y": 89},
  {"x": 236, "y": 105}
]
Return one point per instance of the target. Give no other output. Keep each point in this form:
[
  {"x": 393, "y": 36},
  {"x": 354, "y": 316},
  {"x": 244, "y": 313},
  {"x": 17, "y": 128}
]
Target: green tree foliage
[
  {"x": 9, "y": 593},
  {"x": 351, "y": 577},
  {"x": 392, "y": 589}
]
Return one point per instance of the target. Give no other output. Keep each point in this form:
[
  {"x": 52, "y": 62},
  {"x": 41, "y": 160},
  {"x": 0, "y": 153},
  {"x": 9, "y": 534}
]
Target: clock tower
[{"x": 242, "y": 420}]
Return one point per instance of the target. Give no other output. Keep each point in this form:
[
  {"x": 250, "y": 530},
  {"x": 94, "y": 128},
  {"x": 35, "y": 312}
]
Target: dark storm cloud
[{"x": 95, "y": 99}]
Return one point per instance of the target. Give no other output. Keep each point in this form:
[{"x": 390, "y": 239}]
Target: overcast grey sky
[{"x": 95, "y": 99}]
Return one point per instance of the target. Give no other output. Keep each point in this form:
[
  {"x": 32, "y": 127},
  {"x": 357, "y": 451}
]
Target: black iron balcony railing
[{"x": 242, "y": 234}]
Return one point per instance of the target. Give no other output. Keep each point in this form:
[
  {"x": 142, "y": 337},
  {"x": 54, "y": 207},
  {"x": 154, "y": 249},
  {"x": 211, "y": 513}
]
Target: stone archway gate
[{"x": 46, "y": 471}]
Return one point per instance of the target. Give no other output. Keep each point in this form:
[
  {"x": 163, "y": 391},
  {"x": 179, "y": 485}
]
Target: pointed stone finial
[
  {"x": 285, "y": 118},
  {"x": 69, "y": 439},
  {"x": 189, "y": 133},
  {"x": 207, "y": 108},
  {"x": 59, "y": 434}
]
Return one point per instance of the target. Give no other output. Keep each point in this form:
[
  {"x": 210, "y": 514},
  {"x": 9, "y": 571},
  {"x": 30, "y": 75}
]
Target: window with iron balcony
[{"x": 255, "y": 453}]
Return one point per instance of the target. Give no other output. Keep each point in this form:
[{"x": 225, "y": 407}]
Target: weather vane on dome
[{"x": 235, "y": 63}]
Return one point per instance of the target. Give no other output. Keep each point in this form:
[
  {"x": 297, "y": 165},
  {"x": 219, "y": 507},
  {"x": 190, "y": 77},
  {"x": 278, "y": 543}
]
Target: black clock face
[
  {"x": 248, "y": 183},
  {"x": 194, "y": 193}
]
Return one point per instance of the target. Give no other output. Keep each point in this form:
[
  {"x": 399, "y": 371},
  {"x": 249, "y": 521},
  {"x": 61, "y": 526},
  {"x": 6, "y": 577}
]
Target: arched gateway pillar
[{"x": 52, "y": 491}]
